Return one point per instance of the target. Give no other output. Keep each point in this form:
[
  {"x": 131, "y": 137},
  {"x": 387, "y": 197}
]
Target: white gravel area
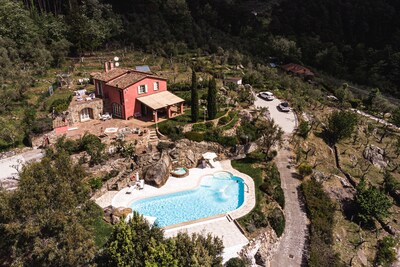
[{"x": 286, "y": 120}]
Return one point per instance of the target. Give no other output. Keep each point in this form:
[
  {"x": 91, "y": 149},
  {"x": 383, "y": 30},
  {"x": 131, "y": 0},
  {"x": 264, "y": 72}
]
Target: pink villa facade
[{"x": 134, "y": 94}]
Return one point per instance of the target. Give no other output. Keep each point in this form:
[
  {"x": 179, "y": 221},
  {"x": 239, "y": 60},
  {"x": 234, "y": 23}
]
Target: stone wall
[{"x": 75, "y": 108}]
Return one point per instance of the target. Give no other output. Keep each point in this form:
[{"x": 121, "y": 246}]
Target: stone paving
[
  {"x": 231, "y": 236},
  {"x": 292, "y": 249}
]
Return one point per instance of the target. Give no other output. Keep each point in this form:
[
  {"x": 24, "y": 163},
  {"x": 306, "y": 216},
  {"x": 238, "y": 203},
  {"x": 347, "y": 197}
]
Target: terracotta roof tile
[
  {"x": 130, "y": 78},
  {"x": 298, "y": 69},
  {"x": 112, "y": 74}
]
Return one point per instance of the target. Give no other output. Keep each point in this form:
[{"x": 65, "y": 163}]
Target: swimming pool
[{"x": 217, "y": 194}]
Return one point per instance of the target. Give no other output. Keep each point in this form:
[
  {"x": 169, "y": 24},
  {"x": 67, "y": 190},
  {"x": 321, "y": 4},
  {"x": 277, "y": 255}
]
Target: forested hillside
[{"x": 350, "y": 39}]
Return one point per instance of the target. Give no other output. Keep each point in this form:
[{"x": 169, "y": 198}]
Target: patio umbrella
[
  {"x": 137, "y": 176},
  {"x": 209, "y": 155}
]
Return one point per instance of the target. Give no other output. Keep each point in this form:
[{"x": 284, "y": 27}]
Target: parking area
[{"x": 286, "y": 120}]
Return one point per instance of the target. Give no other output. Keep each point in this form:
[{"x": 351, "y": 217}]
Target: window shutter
[
  {"x": 138, "y": 90},
  {"x": 145, "y": 88}
]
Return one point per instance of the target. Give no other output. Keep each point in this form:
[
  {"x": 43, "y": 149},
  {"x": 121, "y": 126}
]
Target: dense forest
[{"x": 350, "y": 39}]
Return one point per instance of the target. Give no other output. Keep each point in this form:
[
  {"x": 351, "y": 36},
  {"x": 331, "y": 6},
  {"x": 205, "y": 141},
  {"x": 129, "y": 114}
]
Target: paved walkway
[{"x": 292, "y": 247}]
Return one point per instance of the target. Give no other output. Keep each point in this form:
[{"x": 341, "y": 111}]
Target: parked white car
[
  {"x": 284, "y": 107},
  {"x": 267, "y": 96}
]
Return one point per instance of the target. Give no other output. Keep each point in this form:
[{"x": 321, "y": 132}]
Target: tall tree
[
  {"x": 212, "y": 107},
  {"x": 271, "y": 134},
  {"x": 371, "y": 202},
  {"x": 340, "y": 125},
  {"x": 194, "y": 98},
  {"x": 46, "y": 221}
]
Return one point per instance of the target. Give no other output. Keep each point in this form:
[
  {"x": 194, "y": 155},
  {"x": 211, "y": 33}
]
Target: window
[
  {"x": 156, "y": 86},
  {"x": 117, "y": 110},
  {"x": 142, "y": 89}
]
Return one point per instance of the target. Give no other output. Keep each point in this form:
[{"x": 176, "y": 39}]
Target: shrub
[
  {"x": 223, "y": 120},
  {"x": 227, "y": 141},
  {"x": 42, "y": 125},
  {"x": 320, "y": 211},
  {"x": 276, "y": 219},
  {"x": 303, "y": 129},
  {"x": 195, "y": 136},
  {"x": 209, "y": 125},
  {"x": 95, "y": 183},
  {"x": 386, "y": 253},
  {"x": 60, "y": 104},
  {"x": 279, "y": 197},
  {"x": 179, "y": 87},
  {"x": 355, "y": 102},
  {"x": 305, "y": 169},
  {"x": 199, "y": 127},
  {"x": 235, "y": 262},
  {"x": 174, "y": 132}
]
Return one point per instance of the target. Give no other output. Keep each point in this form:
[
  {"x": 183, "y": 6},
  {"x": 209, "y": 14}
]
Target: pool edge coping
[{"x": 225, "y": 166}]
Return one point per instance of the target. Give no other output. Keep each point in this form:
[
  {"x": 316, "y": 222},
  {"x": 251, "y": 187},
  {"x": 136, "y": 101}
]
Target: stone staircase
[{"x": 153, "y": 137}]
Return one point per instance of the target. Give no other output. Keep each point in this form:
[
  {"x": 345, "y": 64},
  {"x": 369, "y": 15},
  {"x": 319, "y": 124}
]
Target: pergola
[{"x": 162, "y": 100}]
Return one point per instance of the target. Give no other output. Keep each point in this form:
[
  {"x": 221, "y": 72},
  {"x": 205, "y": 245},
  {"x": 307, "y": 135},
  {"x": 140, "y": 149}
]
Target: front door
[{"x": 144, "y": 110}]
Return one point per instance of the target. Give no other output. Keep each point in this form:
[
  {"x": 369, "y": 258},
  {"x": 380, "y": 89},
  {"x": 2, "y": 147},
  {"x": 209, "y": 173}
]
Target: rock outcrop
[
  {"x": 157, "y": 175},
  {"x": 259, "y": 251},
  {"x": 375, "y": 155},
  {"x": 114, "y": 215}
]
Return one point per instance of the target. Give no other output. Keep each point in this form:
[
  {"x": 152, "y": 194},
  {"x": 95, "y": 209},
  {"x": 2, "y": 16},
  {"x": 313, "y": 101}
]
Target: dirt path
[{"x": 292, "y": 249}]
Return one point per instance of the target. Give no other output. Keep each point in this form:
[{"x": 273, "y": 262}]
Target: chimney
[
  {"x": 106, "y": 67},
  {"x": 111, "y": 65}
]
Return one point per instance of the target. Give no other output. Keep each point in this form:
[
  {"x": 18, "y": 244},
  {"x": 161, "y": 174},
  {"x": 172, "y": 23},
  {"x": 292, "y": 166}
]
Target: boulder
[
  {"x": 250, "y": 147},
  {"x": 122, "y": 212},
  {"x": 259, "y": 250},
  {"x": 375, "y": 155},
  {"x": 319, "y": 176},
  {"x": 158, "y": 174}
]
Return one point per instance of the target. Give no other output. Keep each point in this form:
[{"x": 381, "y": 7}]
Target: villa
[{"x": 130, "y": 93}]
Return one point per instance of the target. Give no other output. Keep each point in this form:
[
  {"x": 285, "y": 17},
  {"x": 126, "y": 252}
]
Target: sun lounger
[
  {"x": 141, "y": 184},
  {"x": 131, "y": 189}
]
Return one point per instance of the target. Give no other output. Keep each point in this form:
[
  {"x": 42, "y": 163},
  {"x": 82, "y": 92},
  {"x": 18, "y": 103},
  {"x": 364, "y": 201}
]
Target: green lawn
[
  {"x": 102, "y": 231},
  {"x": 245, "y": 166}
]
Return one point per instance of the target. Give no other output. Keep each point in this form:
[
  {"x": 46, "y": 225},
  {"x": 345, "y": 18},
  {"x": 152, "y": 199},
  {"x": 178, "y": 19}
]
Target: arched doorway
[{"x": 86, "y": 114}]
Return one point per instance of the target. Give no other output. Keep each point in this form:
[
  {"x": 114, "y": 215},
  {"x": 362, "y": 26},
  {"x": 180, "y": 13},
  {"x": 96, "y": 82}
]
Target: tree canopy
[
  {"x": 212, "y": 107},
  {"x": 136, "y": 243},
  {"x": 340, "y": 126},
  {"x": 46, "y": 220},
  {"x": 194, "y": 102},
  {"x": 371, "y": 203}
]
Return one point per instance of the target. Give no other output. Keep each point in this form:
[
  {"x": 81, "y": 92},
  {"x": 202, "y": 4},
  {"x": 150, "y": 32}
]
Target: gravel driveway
[
  {"x": 292, "y": 247},
  {"x": 286, "y": 120}
]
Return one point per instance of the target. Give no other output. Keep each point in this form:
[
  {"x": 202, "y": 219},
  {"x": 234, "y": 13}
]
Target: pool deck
[{"x": 218, "y": 225}]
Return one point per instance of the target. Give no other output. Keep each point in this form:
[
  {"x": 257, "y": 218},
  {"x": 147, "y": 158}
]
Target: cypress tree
[
  {"x": 212, "y": 99},
  {"x": 194, "y": 98}
]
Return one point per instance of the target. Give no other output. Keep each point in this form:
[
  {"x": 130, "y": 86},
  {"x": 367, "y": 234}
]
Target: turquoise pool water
[{"x": 216, "y": 194}]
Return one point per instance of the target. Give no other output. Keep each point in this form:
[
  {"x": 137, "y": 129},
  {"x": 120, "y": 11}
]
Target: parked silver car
[
  {"x": 284, "y": 107},
  {"x": 267, "y": 96}
]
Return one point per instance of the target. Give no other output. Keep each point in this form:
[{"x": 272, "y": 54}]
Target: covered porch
[{"x": 161, "y": 105}]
